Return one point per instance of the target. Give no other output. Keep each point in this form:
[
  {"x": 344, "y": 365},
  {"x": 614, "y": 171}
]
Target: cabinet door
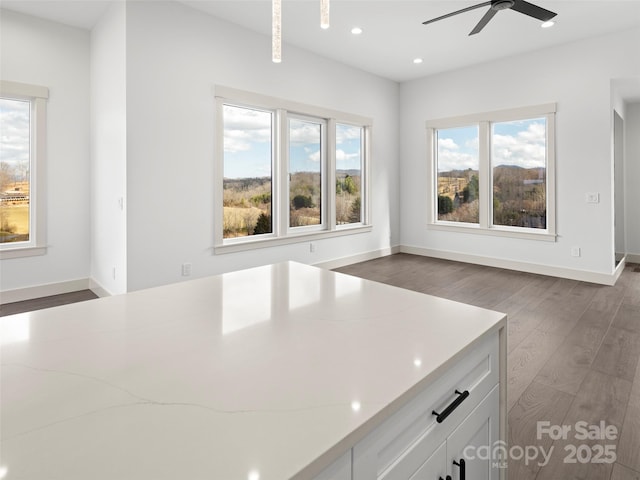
[
  {"x": 435, "y": 467},
  {"x": 480, "y": 429},
  {"x": 339, "y": 470}
]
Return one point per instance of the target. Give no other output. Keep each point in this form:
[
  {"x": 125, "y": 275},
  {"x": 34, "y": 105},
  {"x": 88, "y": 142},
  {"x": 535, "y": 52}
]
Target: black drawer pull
[
  {"x": 440, "y": 417},
  {"x": 462, "y": 466},
  {"x": 448, "y": 477}
]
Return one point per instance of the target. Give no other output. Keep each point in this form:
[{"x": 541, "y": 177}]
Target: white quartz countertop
[{"x": 269, "y": 373}]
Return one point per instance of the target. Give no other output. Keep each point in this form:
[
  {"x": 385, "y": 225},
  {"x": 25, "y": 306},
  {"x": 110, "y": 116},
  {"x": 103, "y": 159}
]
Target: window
[
  {"x": 519, "y": 166},
  {"x": 248, "y": 165},
  {"x": 22, "y": 168},
  {"x": 306, "y": 163},
  {"x": 458, "y": 172},
  {"x": 289, "y": 172},
  {"x": 493, "y": 173},
  {"x": 349, "y": 147}
]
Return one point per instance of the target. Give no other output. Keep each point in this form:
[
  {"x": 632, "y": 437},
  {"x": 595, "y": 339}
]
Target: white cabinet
[
  {"x": 339, "y": 470},
  {"x": 479, "y": 429},
  {"x": 417, "y": 444},
  {"x": 435, "y": 466}
]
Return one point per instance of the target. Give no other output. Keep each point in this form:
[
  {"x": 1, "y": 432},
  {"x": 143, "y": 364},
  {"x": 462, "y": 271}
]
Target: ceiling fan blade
[
  {"x": 483, "y": 21},
  {"x": 456, "y": 13},
  {"x": 533, "y": 10}
]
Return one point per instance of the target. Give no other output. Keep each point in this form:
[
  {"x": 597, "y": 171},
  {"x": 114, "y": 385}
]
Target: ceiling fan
[{"x": 495, "y": 6}]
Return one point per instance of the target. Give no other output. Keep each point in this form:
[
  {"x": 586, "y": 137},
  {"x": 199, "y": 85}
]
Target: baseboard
[
  {"x": 581, "y": 275},
  {"x": 39, "y": 291},
  {"x": 98, "y": 289},
  {"x": 361, "y": 257},
  {"x": 633, "y": 257},
  {"x": 619, "y": 269}
]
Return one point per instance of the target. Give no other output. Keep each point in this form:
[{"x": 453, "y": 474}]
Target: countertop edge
[{"x": 325, "y": 460}]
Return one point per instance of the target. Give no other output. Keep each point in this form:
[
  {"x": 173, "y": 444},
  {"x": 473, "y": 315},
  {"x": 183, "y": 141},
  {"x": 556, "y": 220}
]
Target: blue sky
[
  {"x": 247, "y": 144},
  {"x": 521, "y": 143},
  {"x": 14, "y": 134}
]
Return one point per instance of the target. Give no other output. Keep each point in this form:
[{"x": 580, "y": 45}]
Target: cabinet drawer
[
  {"x": 400, "y": 445},
  {"x": 338, "y": 470}
]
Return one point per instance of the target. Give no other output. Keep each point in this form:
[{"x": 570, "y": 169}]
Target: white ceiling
[{"x": 393, "y": 32}]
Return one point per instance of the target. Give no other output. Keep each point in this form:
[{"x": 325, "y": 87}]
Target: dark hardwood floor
[
  {"x": 46, "y": 302},
  {"x": 574, "y": 350}
]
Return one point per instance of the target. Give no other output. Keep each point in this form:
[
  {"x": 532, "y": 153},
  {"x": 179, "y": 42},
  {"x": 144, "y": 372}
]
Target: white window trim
[
  {"x": 282, "y": 233},
  {"x": 485, "y": 225},
  {"x": 323, "y": 178},
  {"x": 37, "y": 96}
]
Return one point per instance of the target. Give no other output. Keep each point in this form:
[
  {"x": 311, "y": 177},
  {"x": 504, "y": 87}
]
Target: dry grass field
[
  {"x": 16, "y": 217},
  {"x": 449, "y": 186},
  {"x": 240, "y": 221}
]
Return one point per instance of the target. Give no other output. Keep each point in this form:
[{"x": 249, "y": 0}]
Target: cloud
[
  {"x": 342, "y": 156},
  {"x": 243, "y": 127},
  {"x": 527, "y": 148},
  {"x": 315, "y": 156},
  {"x": 304, "y": 133},
  {"x": 453, "y": 160},
  {"x": 447, "y": 144},
  {"x": 347, "y": 133},
  {"x": 15, "y": 133}
]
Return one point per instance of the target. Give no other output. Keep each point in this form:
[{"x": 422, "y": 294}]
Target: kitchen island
[{"x": 285, "y": 371}]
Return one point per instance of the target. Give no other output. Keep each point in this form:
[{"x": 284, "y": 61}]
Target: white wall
[
  {"x": 55, "y": 56},
  {"x": 576, "y": 76},
  {"x": 632, "y": 171},
  {"x": 175, "y": 55},
  {"x": 109, "y": 151}
]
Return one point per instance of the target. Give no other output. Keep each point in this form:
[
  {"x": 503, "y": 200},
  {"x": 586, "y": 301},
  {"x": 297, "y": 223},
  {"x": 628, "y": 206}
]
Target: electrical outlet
[
  {"x": 593, "y": 198},
  {"x": 113, "y": 272},
  {"x": 575, "y": 251},
  {"x": 312, "y": 247},
  {"x": 186, "y": 269}
]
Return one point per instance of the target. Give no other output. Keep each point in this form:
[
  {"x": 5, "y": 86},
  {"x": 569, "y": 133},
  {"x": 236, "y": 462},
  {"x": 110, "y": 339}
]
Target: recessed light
[
  {"x": 356, "y": 30},
  {"x": 548, "y": 23},
  {"x": 417, "y": 61}
]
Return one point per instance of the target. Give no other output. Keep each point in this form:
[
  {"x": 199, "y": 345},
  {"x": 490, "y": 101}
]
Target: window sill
[
  {"x": 255, "y": 243},
  {"x": 20, "y": 252},
  {"x": 529, "y": 234}
]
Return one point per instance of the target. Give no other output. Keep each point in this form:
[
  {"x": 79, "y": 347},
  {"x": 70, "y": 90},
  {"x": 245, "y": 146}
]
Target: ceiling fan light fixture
[
  {"x": 356, "y": 30},
  {"x": 324, "y": 14},
  {"x": 547, "y": 24},
  {"x": 417, "y": 61},
  {"x": 502, "y": 4}
]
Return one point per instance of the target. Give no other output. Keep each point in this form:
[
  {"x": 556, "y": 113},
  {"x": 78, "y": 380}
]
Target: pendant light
[
  {"x": 324, "y": 14},
  {"x": 276, "y": 31}
]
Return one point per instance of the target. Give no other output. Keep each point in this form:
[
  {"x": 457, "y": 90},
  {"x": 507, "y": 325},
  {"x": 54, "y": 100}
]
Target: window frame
[
  {"x": 364, "y": 176},
  {"x": 294, "y": 230},
  {"x": 282, "y": 233},
  {"x": 485, "y": 172},
  {"x": 37, "y": 97}
]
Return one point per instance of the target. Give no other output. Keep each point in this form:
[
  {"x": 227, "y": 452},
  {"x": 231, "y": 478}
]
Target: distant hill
[
  {"x": 510, "y": 166},
  {"x": 350, "y": 172}
]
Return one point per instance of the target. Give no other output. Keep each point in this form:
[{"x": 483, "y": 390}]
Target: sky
[
  {"x": 520, "y": 143},
  {"x": 14, "y": 133},
  {"x": 247, "y": 144}
]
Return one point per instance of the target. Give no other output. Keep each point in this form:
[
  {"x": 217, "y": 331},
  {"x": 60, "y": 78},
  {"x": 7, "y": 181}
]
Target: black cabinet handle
[
  {"x": 440, "y": 417},
  {"x": 448, "y": 477},
  {"x": 462, "y": 466}
]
